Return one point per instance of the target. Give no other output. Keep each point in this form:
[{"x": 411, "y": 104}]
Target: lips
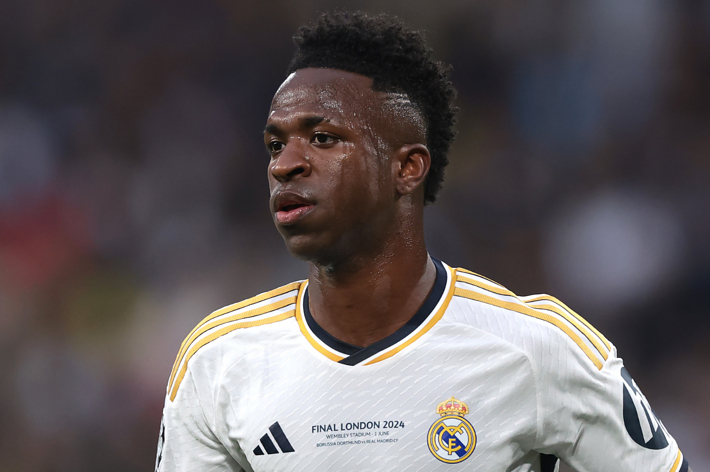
[{"x": 289, "y": 208}]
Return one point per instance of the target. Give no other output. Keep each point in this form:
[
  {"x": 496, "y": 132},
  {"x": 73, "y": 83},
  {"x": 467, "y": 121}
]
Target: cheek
[
  {"x": 380, "y": 167},
  {"x": 270, "y": 178},
  {"x": 342, "y": 172},
  {"x": 358, "y": 179}
]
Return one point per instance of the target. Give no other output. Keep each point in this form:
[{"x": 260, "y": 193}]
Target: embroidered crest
[{"x": 451, "y": 438}]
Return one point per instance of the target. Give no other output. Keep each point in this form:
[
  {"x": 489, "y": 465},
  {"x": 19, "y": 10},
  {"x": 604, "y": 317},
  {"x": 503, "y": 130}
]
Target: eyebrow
[
  {"x": 307, "y": 122},
  {"x": 272, "y": 129},
  {"x": 311, "y": 121}
]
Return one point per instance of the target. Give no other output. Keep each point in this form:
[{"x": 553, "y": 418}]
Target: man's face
[{"x": 330, "y": 176}]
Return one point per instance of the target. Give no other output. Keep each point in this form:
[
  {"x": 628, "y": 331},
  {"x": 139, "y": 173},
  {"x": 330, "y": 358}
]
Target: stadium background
[{"x": 133, "y": 196}]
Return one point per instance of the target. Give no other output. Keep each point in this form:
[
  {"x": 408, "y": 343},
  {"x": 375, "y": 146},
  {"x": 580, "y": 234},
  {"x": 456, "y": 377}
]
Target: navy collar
[{"x": 355, "y": 354}]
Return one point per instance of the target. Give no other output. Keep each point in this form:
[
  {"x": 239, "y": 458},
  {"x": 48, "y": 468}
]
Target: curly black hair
[{"x": 397, "y": 60}]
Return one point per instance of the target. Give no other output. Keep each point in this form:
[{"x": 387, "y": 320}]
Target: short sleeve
[
  {"x": 187, "y": 441},
  {"x": 597, "y": 420}
]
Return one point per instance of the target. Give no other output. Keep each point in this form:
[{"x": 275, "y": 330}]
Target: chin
[
  {"x": 303, "y": 247},
  {"x": 311, "y": 249}
]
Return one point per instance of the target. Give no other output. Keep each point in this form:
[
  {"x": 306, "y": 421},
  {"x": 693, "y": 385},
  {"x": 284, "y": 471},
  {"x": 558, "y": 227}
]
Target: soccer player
[{"x": 386, "y": 358}]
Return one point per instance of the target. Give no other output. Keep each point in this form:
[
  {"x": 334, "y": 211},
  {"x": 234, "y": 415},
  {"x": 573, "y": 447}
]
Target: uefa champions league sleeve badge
[{"x": 451, "y": 438}]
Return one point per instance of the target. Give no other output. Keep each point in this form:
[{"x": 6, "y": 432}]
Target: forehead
[{"x": 331, "y": 92}]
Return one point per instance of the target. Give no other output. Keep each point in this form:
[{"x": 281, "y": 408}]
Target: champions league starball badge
[{"x": 451, "y": 438}]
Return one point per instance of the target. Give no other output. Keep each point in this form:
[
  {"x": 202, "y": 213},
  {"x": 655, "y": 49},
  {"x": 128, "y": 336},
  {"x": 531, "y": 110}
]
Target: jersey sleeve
[
  {"x": 187, "y": 441},
  {"x": 595, "y": 418}
]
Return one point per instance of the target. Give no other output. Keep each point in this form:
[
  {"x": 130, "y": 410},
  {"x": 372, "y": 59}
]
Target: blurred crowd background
[{"x": 133, "y": 193}]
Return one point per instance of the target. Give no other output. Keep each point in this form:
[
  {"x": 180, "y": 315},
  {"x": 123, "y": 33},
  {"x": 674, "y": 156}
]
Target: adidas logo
[{"x": 278, "y": 434}]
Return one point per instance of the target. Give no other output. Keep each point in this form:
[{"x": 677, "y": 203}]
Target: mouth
[{"x": 289, "y": 209}]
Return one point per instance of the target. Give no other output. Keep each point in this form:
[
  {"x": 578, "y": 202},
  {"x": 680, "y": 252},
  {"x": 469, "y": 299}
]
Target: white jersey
[{"x": 479, "y": 379}]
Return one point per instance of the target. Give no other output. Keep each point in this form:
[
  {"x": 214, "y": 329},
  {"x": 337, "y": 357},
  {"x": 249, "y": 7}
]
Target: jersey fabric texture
[{"x": 479, "y": 379}]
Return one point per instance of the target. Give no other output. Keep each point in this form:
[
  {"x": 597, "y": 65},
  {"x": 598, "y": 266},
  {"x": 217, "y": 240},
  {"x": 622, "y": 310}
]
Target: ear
[{"x": 411, "y": 165}]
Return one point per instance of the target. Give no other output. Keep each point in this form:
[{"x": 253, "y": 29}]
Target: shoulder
[
  {"x": 266, "y": 309},
  {"x": 539, "y": 324}
]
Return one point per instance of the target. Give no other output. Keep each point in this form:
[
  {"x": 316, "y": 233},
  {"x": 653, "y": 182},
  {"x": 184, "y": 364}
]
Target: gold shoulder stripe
[
  {"x": 582, "y": 329},
  {"x": 573, "y": 313},
  {"x": 477, "y": 275},
  {"x": 229, "y": 308},
  {"x": 244, "y": 303},
  {"x": 676, "y": 464},
  {"x": 527, "y": 310},
  {"x": 577, "y": 321},
  {"x": 219, "y": 333},
  {"x": 499, "y": 289},
  {"x": 246, "y": 314}
]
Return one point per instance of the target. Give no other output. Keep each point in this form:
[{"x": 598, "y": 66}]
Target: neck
[{"x": 369, "y": 297}]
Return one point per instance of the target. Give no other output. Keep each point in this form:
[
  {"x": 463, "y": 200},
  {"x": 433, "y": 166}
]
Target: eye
[
  {"x": 275, "y": 146},
  {"x": 323, "y": 138}
]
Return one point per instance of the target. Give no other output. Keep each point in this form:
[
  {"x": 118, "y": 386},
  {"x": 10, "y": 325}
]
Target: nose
[{"x": 292, "y": 161}]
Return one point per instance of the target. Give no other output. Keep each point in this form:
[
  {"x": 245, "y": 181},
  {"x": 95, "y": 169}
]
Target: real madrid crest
[{"x": 451, "y": 438}]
